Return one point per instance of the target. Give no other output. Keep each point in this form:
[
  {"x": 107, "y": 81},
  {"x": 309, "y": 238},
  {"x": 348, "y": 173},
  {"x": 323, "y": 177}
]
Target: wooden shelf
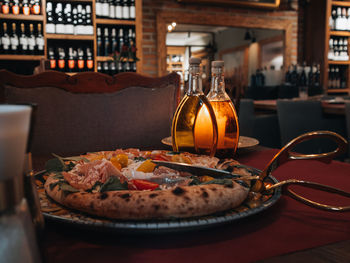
[
  {"x": 340, "y": 33},
  {"x": 331, "y": 62},
  {"x": 341, "y": 3},
  {"x": 70, "y": 37},
  {"x": 22, "y": 17},
  {"x": 21, "y": 57},
  {"x": 114, "y": 21},
  {"x": 104, "y": 59},
  {"x": 338, "y": 90}
]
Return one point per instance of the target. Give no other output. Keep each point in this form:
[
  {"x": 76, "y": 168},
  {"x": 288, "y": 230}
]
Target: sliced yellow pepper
[
  {"x": 122, "y": 159},
  {"x": 147, "y": 166},
  {"x": 116, "y": 163}
]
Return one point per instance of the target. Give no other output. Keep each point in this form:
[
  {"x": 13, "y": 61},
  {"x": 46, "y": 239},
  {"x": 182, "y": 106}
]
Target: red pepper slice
[
  {"x": 159, "y": 158},
  {"x": 144, "y": 185}
]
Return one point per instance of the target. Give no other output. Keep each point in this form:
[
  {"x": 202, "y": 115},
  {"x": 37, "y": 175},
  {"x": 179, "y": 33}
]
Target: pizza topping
[
  {"x": 85, "y": 175},
  {"x": 144, "y": 185},
  {"x": 147, "y": 166}
]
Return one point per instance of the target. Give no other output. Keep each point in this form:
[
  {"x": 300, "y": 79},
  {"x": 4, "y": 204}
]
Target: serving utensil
[
  {"x": 283, "y": 156},
  {"x": 201, "y": 171},
  {"x": 286, "y": 154}
]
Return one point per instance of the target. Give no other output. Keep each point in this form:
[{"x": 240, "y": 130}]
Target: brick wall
[{"x": 288, "y": 9}]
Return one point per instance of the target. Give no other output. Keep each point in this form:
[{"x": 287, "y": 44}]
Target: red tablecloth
[{"x": 286, "y": 227}]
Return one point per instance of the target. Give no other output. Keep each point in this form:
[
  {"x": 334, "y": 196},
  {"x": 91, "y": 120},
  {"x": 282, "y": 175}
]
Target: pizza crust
[{"x": 179, "y": 202}]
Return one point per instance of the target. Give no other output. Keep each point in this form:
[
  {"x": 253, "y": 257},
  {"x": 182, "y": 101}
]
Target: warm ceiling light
[
  {"x": 173, "y": 24},
  {"x": 170, "y": 28}
]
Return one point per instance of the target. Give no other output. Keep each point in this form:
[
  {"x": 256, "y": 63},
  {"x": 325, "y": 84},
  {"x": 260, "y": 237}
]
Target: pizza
[{"x": 126, "y": 184}]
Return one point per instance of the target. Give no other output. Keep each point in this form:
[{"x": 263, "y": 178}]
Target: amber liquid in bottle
[
  {"x": 225, "y": 113},
  {"x": 228, "y": 130},
  {"x": 186, "y": 134},
  {"x": 189, "y": 132}
]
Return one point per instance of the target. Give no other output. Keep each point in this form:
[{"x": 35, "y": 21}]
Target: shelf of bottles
[
  {"x": 21, "y": 40},
  {"x": 115, "y": 10},
  {"x": 70, "y": 56},
  {"x": 116, "y": 49},
  {"x": 338, "y": 49},
  {"x": 306, "y": 75},
  {"x": 69, "y": 19},
  {"x": 337, "y": 77},
  {"x": 12, "y": 9}
]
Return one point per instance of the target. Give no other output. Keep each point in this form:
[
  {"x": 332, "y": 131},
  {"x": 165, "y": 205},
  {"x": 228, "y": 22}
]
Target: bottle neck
[
  {"x": 218, "y": 81},
  {"x": 195, "y": 81},
  {"x": 217, "y": 88}
]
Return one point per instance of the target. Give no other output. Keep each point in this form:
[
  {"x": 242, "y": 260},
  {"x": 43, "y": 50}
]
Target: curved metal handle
[
  {"x": 285, "y": 154},
  {"x": 287, "y": 183}
]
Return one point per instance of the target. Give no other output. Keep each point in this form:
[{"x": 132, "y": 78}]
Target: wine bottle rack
[{"x": 96, "y": 21}]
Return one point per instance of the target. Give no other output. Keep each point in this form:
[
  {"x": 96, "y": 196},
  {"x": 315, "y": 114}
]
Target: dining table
[
  {"x": 287, "y": 231},
  {"x": 332, "y": 107}
]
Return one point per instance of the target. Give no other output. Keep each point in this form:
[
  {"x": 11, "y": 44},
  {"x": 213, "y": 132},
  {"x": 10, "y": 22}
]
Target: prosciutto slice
[{"x": 85, "y": 175}]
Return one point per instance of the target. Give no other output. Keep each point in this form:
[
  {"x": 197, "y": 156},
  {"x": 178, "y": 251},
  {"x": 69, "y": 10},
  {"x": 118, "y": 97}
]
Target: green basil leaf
[
  {"x": 67, "y": 189},
  {"x": 113, "y": 184},
  {"x": 54, "y": 165}
]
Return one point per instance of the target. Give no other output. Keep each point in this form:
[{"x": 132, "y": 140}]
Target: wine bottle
[
  {"x": 112, "y": 68},
  {"x": 106, "y": 45},
  {"x": 31, "y": 40},
  {"x": 89, "y": 60},
  {"x": 81, "y": 62},
  {"x": 61, "y": 59},
  {"x": 132, "y": 10},
  {"x": 40, "y": 42},
  {"x": 52, "y": 59},
  {"x": 50, "y": 25},
  {"x": 118, "y": 9},
  {"x": 75, "y": 21},
  {"x": 25, "y": 8},
  {"x": 60, "y": 27},
  {"x": 69, "y": 27},
  {"x": 105, "y": 8},
  {"x": 36, "y": 7},
  {"x": 106, "y": 68},
  {"x": 15, "y": 7},
  {"x": 99, "y": 42},
  {"x": 114, "y": 41},
  {"x": 23, "y": 40},
  {"x": 14, "y": 40},
  {"x": 5, "y": 8},
  {"x": 80, "y": 27},
  {"x": 71, "y": 61},
  {"x": 98, "y": 7},
  {"x": 88, "y": 25},
  {"x": 126, "y": 10},
  {"x": 120, "y": 42},
  {"x": 99, "y": 67},
  {"x": 5, "y": 39},
  {"x": 111, "y": 9}
]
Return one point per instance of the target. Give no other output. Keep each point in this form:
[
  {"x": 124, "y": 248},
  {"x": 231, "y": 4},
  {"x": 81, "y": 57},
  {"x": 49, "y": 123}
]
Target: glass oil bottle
[
  {"x": 187, "y": 133},
  {"x": 225, "y": 112}
]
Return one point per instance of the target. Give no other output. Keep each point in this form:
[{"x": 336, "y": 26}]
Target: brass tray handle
[{"x": 285, "y": 184}]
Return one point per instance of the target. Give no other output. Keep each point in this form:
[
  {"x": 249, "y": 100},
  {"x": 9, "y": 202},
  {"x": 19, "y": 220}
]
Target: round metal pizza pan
[{"x": 163, "y": 226}]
